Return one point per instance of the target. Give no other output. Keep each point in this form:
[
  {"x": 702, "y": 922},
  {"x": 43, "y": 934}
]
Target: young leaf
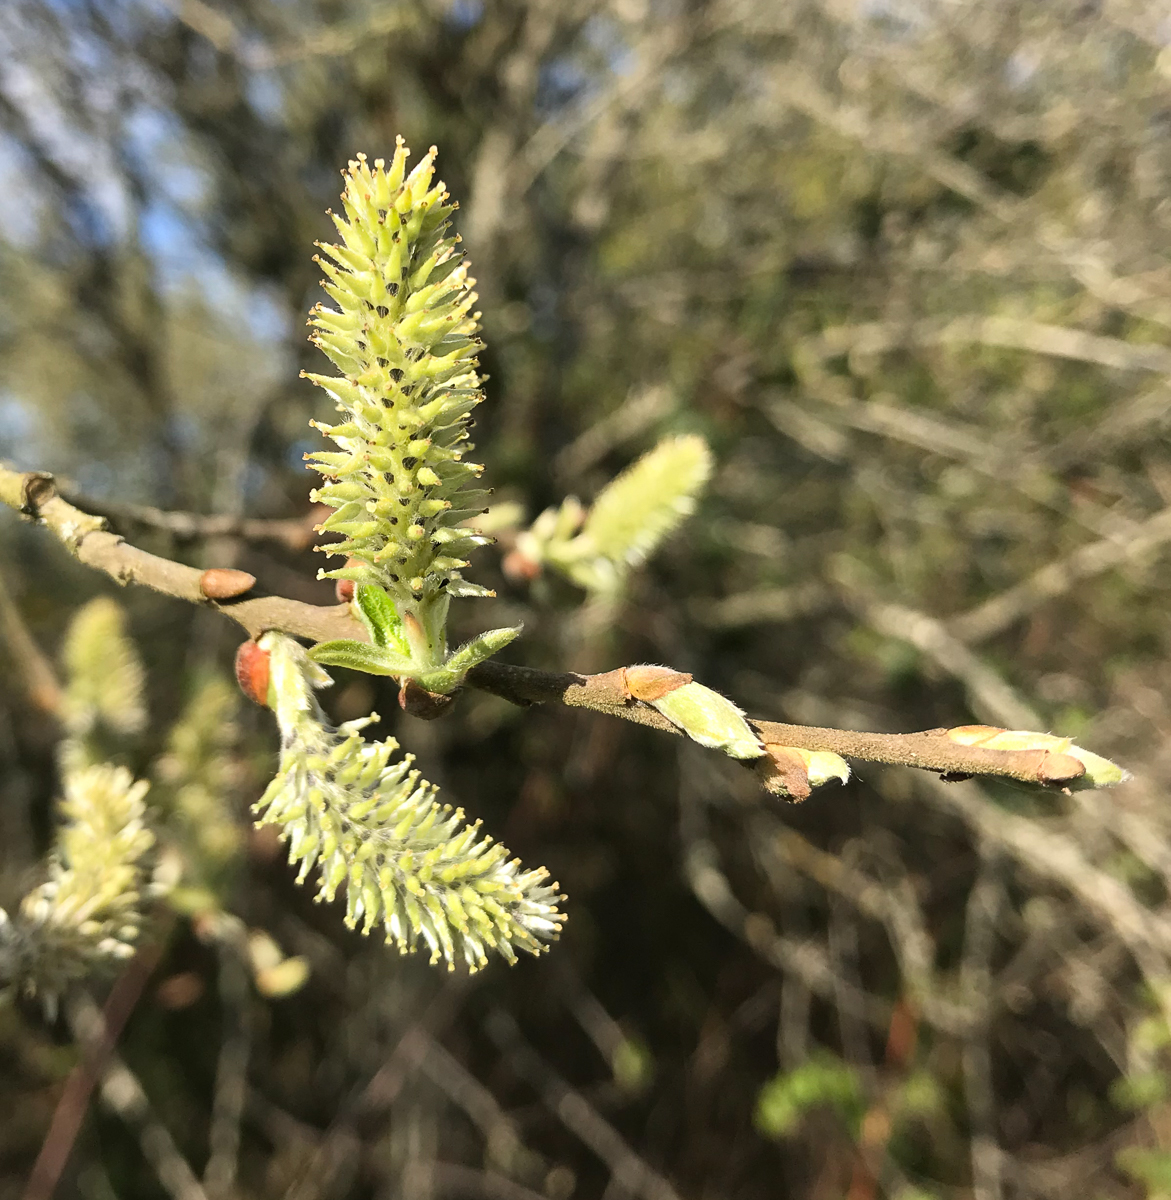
[
  {"x": 480, "y": 648},
  {"x": 361, "y": 656},
  {"x": 710, "y": 719},
  {"x": 378, "y": 613}
]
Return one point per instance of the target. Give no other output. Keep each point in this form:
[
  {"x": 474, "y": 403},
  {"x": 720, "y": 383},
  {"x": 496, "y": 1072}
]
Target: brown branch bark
[{"x": 34, "y": 495}]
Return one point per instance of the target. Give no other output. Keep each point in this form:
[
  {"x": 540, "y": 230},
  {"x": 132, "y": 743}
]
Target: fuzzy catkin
[
  {"x": 404, "y": 337},
  {"x": 367, "y": 821},
  {"x": 88, "y": 911}
]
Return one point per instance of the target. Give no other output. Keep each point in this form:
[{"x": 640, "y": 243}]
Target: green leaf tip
[
  {"x": 792, "y": 772},
  {"x": 368, "y": 822},
  {"x": 361, "y": 656},
  {"x": 403, "y": 334}
]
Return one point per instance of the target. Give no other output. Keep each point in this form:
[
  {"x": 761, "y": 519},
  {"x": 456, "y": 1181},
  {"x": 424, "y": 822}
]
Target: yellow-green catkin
[
  {"x": 196, "y": 778},
  {"x": 373, "y": 828},
  {"x": 88, "y": 912},
  {"x": 103, "y": 700},
  {"x": 403, "y": 335},
  {"x": 628, "y": 520}
]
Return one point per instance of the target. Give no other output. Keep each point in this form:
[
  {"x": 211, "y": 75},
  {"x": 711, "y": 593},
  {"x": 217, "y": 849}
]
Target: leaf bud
[
  {"x": 225, "y": 583},
  {"x": 1058, "y": 761},
  {"x": 650, "y": 683},
  {"x": 252, "y": 672},
  {"x": 705, "y": 716}
]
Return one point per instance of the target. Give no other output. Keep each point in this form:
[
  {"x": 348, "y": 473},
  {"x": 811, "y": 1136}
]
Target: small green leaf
[
  {"x": 481, "y": 647},
  {"x": 380, "y": 617},
  {"x": 441, "y": 680},
  {"x": 358, "y": 656},
  {"x": 448, "y": 677}
]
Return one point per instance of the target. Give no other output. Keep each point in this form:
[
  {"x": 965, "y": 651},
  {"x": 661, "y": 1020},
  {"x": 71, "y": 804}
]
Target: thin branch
[
  {"x": 326, "y": 42},
  {"x": 74, "y": 1101},
  {"x": 976, "y": 980},
  {"x": 1059, "y": 577},
  {"x": 1053, "y": 855},
  {"x": 123, "y": 1093},
  {"x": 794, "y": 958},
  {"x": 503, "y": 1145},
  {"x": 1010, "y": 333},
  {"x": 452, "y": 1179},
  {"x": 990, "y": 696},
  {"x": 32, "y": 665},
  {"x": 231, "y": 1081},
  {"x": 799, "y": 90},
  {"x": 334, "y": 1152},
  {"x": 33, "y": 494},
  {"x": 294, "y": 532},
  {"x": 631, "y": 1172}
]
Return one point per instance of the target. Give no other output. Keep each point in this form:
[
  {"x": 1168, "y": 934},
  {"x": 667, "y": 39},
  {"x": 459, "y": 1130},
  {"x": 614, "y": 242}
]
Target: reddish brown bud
[
  {"x": 651, "y": 683},
  {"x": 346, "y": 589},
  {"x": 1059, "y": 768},
  {"x": 415, "y": 700},
  {"x": 224, "y": 583},
  {"x": 784, "y": 773},
  {"x": 252, "y": 672}
]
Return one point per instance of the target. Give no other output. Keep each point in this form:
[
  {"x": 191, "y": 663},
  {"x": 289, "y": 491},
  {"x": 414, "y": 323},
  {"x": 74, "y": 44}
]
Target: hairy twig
[{"x": 34, "y": 495}]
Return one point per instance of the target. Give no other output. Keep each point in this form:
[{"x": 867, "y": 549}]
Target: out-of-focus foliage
[
  {"x": 87, "y": 914},
  {"x": 628, "y": 519},
  {"x": 103, "y": 700},
  {"x": 903, "y": 267},
  {"x": 195, "y": 776}
]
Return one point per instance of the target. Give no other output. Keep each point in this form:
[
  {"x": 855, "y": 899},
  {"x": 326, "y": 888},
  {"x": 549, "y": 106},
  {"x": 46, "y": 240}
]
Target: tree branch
[
  {"x": 294, "y": 532},
  {"x": 34, "y": 495}
]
